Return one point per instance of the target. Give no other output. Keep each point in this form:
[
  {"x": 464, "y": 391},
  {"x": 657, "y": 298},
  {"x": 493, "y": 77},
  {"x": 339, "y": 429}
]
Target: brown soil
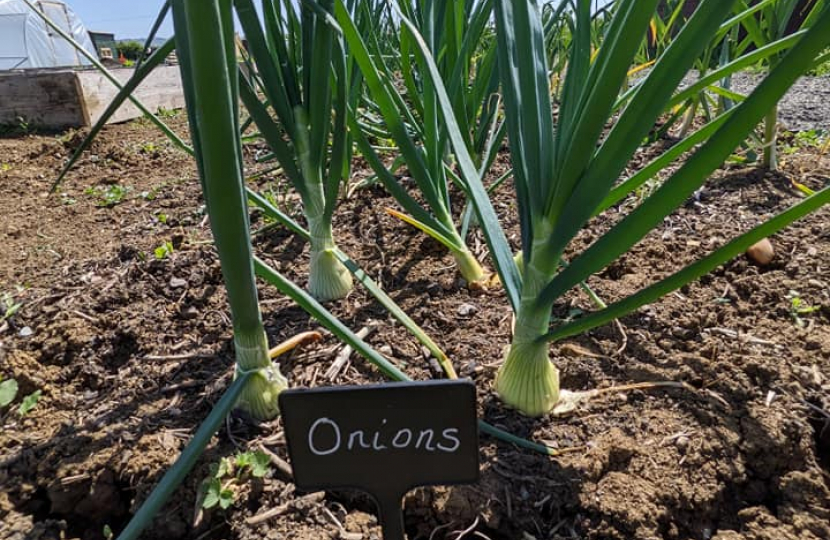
[{"x": 131, "y": 351}]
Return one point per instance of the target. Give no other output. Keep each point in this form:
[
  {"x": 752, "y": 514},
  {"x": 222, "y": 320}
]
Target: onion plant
[
  {"x": 208, "y": 63},
  {"x": 455, "y": 33},
  {"x": 302, "y": 68},
  {"x": 772, "y": 23},
  {"x": 563, "y": 171}
]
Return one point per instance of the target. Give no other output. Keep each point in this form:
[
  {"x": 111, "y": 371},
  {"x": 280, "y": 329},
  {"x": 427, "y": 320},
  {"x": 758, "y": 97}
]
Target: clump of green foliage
[
  {"x": 131, "y": 50},
  {"x": 8, "y": 306},
  {"x": 164, "y": 250},
  {"x": 108, "y": 196},
  {"x": 811, "y": 138},
  {"x": 231, "y": 473},
  {"x": 799, "y": 308},
  {"x": 8, "y": 392}
]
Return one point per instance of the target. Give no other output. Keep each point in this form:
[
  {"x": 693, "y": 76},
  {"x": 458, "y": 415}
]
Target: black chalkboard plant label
[{"x": 383, "y": 439}]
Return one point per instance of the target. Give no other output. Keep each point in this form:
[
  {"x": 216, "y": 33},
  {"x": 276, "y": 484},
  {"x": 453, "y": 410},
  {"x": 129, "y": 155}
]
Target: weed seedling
[
  {"x": 168, "y": 113},
  {"x": 24, "y": 125},
  {"x": 798, "y": 308},
  {"x": 163, "y": 251},
  {"x": 109, "y": 196},
  {"x": 811, "y": 138},
  {"x": 29, "y": 402},
  {"x": 219, "y": 489},
  {"x": 8, "y": 391},
  {"x": 151, "y": 194},
  {"x": 149, "y": 148},
  {"x": 8, "y": 307}
]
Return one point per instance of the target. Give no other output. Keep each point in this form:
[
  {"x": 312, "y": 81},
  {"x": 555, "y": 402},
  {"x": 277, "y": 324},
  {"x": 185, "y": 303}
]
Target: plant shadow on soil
[{"x": 86, "y": 502}]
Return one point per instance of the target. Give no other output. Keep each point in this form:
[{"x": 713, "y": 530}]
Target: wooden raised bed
[{"x": 58, "y": 99}]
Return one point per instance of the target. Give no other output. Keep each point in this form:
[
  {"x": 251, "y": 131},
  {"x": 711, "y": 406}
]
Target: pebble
[
  {"x": 433, "y": 289},
  {"x": 682, "y": 444},
  {"x": 761, "y": 252},
  {"x": 177, "y": 283},
  {"x": 469, "y": 369},
  {"x": 190, "y": 312},
  {"x": 467, "y": 310},
  {"x": 26, "y": 331},
  {"x": 435, "y": 366}
]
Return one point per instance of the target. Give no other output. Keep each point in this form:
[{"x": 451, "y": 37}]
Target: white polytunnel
[{"x": 26, "y": 41}]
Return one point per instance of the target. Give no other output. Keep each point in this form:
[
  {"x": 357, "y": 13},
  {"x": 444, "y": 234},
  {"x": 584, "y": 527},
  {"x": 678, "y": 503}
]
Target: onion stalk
[
  {"x": 204, "y": 34},
  {"x": 300, "y": 68},
  {"x": 405, "y": 100},
  {"x": 558, "y": 193},
  {"x": 771, "y": 24}
]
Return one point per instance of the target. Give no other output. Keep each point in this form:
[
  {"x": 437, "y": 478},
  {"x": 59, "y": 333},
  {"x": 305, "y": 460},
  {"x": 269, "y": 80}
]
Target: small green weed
[
  {"x": 8, "y": 306},
  {"x": 20, "y": 126},
  {"x": 29, "y": 402},
  {"x": 109, "y": 196},
  {"x": 149, "y": 148},
  {"x": 8, "y": 392},
  {"x": 23, "y": 124},
  {"x": 811, "y": 138},
  {"x": 151, "y": 194},
  {"x": 164, "y": 250},
  {"x": 168, "y": 113},
  {"x": 219, "y": 489},
  {"x": 799, "y": 307},
  {"x": 821, "y": 69}
]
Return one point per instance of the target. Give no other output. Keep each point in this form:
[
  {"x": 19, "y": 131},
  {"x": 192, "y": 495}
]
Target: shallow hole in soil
[
  {"x": 821, "y": 433},
  {"x": 124, "y": 346},
  {"x": 85, "y": 507}
]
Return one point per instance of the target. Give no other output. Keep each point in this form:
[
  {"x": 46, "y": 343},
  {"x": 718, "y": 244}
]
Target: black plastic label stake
[{"x": 383, "y": 439}]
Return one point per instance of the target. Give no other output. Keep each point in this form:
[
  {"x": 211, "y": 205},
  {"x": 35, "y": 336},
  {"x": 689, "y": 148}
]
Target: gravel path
[{"x": 805, "y": 106}]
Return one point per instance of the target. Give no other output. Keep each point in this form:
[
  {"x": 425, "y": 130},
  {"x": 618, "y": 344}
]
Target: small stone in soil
[
  {"x": 761, "y": 252},
  {"x": 469, "y": 368},
  {"x": 177, "y": 283},
  {"x": 682, "y": 444},
  {"x": 190, "y": 312},
  {"x": 435, "y": 366},
  {"x": 467, "y": 310},
  {"x": 25, "y": 332}
]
